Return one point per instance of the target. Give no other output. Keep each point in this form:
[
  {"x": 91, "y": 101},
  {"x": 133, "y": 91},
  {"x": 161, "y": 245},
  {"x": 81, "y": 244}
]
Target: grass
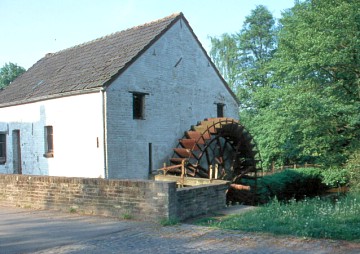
[
  {"x": 72, "y": 210},
  {"x": 169, "y": 222},
  {"x": 317, "y": 218},
  {"x": 127, "y": 216}
]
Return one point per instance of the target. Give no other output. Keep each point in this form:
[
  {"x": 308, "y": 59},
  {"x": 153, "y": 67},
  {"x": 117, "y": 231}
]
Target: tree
[
  {"x": 257, "y": 42},
  {"x": 224, "y": 53},
  {"x": 317, "y": 70},
  {"x": 9, "y": 72},
  {"x": 242, "y": 57},
  {"x": 300, "y": 86}
]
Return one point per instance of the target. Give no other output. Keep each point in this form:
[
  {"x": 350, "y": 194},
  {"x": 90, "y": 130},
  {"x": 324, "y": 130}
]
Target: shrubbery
[
  {"x": 335, "y": 177},
  {"x": 305, "y": 182},
  {"x": 289, "y": 184},
  {"x": 353, "y": 169}
]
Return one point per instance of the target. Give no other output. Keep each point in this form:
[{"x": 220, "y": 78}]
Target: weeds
[
  {"x": 317, "y": 218},
  {"x": 127, "y": 216},
  {"x": 72, "y": 210},
  {"x": 169, "y": 222}
]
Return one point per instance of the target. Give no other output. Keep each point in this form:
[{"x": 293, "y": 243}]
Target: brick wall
[
  {"x": 147, "y": 200},
  {"x": 200, "y": 200},
  {"x": 137, "y": 199}
]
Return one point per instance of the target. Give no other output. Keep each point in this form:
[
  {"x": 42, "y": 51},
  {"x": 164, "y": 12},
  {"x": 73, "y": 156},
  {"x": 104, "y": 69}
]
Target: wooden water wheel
[{"x": 219, "y": 148}]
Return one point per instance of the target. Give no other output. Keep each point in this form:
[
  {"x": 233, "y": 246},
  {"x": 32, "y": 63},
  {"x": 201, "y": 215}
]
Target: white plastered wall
[{"x": 78, "y": 136}]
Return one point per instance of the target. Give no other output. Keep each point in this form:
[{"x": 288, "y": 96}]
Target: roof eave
[{"x": 49, "y": 97}]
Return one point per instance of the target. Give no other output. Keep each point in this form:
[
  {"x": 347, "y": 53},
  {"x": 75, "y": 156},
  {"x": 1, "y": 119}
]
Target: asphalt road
[{"x": 34, "y": 231}]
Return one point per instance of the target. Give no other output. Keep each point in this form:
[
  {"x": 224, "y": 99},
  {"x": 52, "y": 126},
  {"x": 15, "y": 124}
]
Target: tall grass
[{"x": 333, "y": 219}]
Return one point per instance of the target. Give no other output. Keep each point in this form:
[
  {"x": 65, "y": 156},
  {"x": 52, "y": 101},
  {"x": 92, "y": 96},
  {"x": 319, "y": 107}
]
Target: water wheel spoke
[
  {"x": 207, "y": 156},
  {"x": 221, "y": 141}
]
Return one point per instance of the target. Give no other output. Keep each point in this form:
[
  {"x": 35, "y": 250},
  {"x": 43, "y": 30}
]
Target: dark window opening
[
  {"x": 220, "y": 109},
  {"x": 49, "y": 142},
  {"x": 2, "y": 148},
  {"x": 138, "y": 105}
]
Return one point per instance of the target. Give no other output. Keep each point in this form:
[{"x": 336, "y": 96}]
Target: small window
[
  {"x": 138, "y": 105},
  {"x": 2, "y": 148},
  {"x": 49, "y": 143},
  {"x": 220, "y": 109}
]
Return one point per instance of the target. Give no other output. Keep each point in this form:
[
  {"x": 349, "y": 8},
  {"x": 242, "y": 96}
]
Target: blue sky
[{"x": 32, "y": 28}]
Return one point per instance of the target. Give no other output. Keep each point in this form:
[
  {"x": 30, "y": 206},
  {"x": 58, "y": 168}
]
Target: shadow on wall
[{"x": 26, "y": 146}]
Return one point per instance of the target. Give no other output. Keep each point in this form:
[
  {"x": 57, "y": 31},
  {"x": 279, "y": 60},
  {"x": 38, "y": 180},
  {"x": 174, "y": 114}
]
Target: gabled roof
[{"x": 88, "y": 66}]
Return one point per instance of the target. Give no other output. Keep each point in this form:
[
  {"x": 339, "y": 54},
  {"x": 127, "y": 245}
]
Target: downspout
[{"x": 104, "y": 123}]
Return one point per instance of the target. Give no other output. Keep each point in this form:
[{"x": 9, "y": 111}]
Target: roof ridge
[
  {"x": 172, "y": 16},
  {"x": 101, "y": 61}
]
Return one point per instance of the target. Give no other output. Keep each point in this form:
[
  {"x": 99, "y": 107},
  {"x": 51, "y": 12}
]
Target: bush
[
  {"x": 290, "y": 184},
  {"x": 335, "y": 177},
  {"x": 301, "y": 182},
  {"x": 353, "y": 168}
]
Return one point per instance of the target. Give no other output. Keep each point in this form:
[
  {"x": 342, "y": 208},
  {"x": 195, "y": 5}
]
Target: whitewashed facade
[
  {"x": 77, "y": 136},
  {"x": 95, "y": 133}
]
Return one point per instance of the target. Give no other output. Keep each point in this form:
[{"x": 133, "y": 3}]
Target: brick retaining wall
[
  {"x": 137, "y": 199},
  {"x": 200, "y": 200}
]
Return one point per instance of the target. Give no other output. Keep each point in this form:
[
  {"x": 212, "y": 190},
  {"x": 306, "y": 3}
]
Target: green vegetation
[
  {"x": 169, "y": 222},
  {"x": 301, "y": 182},
  {"x": 353, "y": 168},
  {"x": 330, "y": 218},
  {"x": 127, "y": 216},
  {"x": 72, "y": 210},
  {"x": 290, "y": 183},
  {"x": 8, "y": 73},
  {"x": 291, "y": 205},
  {"x": 335, "y": 177},
  {"x": 298, "y": 81}
]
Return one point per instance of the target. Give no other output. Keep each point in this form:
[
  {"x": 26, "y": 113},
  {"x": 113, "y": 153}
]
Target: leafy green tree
[
  {"x": 300, "y": 86},
  {"x": 8, "y": 73},
  {"x": 224, "y": 53},
  {"x": 242, "y": 58},
  {"x": 316, "y": 69},
  {"x": 257, "y": 42}
]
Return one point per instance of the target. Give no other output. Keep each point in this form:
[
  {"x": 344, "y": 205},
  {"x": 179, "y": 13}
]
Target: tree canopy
[
  {"x": 242, "y": 57},
  {"x": 9, "y": 72},
  {"x": 303, "y": 101}
]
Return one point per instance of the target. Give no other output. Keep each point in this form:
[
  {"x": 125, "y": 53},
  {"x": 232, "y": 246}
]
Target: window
[
  {"x": 2, "y": 148},
  {"x": 138, "y": 105},
  {"x": 49, "y": 143},
  {"x": 220, "y": 109}
]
